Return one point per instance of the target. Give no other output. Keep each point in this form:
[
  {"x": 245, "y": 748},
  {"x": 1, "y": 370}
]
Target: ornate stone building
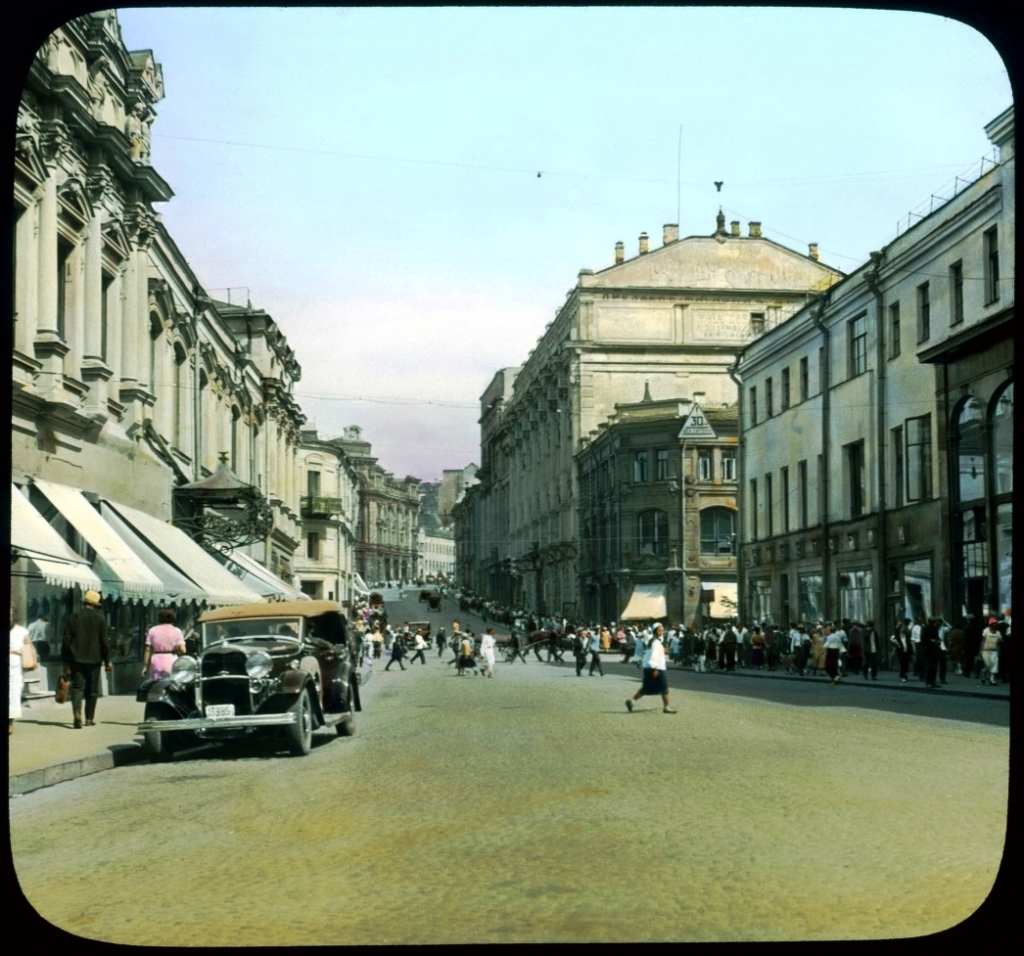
[
  {"x": 876, "y": 427},
  {"x": 657, "y": 513},
  {"x": 326, "y": 565},
  {"x": 388, "y": 509},
  {"x": 675, "y": 317},
  {"x": 130, "y": 384}
]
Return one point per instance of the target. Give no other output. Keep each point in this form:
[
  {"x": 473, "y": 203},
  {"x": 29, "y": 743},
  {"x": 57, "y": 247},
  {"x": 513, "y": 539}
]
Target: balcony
[{"x": 317, "y": 506}]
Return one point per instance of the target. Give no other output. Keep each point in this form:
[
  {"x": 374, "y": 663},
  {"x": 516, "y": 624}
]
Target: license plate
[{"x": 220, "y": 710}]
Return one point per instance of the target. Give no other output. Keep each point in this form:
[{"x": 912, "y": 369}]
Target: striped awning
[
  {"x": 209, "y": 580},
  {"x": 33, "y": 537},
  {"x": 259, "y": 578},
  {"x": 122, "y": 572}
]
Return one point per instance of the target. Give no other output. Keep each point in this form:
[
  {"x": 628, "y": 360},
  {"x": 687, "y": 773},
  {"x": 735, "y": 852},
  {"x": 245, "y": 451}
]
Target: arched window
[
  {"x": 652, "y": 532},
  {"x": 180, "y": 396},
  {"x": 718, "y": 531}
]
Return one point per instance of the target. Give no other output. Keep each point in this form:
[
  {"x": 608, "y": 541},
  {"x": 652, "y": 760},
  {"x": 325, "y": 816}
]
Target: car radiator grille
[{"x": 226, "y": 682}]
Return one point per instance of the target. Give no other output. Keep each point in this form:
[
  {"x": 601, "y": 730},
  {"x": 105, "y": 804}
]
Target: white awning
[
  {"x": 122, "y": 572},
  {"x": 725, "y": 603},
  {"x": 360, "y": 584},
  {"x": 216, "y": 585},
  {"x": 257, "y": 577},
  {"x": 646, "y": 603},
  {"x": 33, "y": 537}
]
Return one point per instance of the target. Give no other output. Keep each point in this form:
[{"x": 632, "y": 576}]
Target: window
[
  {"x": 753, "y": 508},
  {"x": 753, "y": 404},
  {"x": 756, "y": 323},
  {"x": 991, "y": 266},
  {"x": 761, "y": 599},
  {"x": 899, "y": 477},
  {"x": 1002, "y": 441},
  {"x": 970, "y": 451},
  {"x": 956, "y": 293},
  {"x": 652, "y": 532},
  {"x": 704, "y": 464},
  {"x": 662, "y": 464},
  {"x": 858, "y": 336},
  {"x": 64, "y": 283},
  {"x": 924, "y": 313},
  {"x": 313, "y": 484},
  {"x": 313, "y": 546},
  {"x": 769, "y": 525},
  {"x": 805, "y": 379},
  {"x": 894, "y": 330},
  {"x": 784, "y": 397},
  {"x": 718, "y": 531},
  {"x": 728, "y": 464},
  {"x": 919, "y": 458},
  {"x": 784, "y": 476},
  {"x": 769, "y": 399},
  {"x": 809, "y": 594},
  {"x": 856, "y": 596},
  {"x": 640, "y": 467},
  {"x": 801, "y": 477},
  {"x": 857, "y": 474}
]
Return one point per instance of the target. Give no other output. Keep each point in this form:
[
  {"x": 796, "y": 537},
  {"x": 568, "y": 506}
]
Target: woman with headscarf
[{"x": 655, "y": 679}]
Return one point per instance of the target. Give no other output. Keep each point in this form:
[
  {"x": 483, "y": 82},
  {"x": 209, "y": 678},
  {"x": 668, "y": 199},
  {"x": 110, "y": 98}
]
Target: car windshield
[{"x": 216, "y": 632}]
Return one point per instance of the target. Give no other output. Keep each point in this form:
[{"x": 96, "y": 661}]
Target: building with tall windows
[
  {"x": 876, "y": 466},
  {"x": 325, "y": 562},
  {"x": 386, "y": 545},
  {"x": 676, "y": 317},
  {"x": 657, "y": 513},
  {"x": 137, "y": 399}
]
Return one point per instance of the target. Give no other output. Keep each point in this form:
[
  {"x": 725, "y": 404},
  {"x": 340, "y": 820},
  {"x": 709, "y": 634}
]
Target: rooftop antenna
[{"x": 679, "y": 164}]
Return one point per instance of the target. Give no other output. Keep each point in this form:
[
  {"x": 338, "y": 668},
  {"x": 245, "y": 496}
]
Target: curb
[{"x": 118, "y": 755}]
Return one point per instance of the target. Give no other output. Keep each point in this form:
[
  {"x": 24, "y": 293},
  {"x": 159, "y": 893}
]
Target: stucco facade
[
  {"x": 674, "y": 317},
  {"x": 388, "y": 511},
  {"x": 325, "y": 562},
  {"x": 128, "y": 380},
  {"x": 845, "y": 428}
]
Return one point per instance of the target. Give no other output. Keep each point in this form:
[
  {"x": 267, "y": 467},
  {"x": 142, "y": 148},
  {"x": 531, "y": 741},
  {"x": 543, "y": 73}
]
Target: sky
[{"x": 410, "y": 193}]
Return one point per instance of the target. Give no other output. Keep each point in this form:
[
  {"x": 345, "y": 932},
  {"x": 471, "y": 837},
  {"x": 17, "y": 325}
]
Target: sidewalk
[{"x": 45, "y": 750}]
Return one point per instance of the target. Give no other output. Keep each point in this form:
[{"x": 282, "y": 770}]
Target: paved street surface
[{"x": 534, "y": 808}]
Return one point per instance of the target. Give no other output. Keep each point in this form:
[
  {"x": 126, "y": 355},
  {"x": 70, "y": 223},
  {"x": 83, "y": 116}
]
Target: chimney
[
  {"x": 669, "y": 233},
  {"x": 755, "y": 230},
  {"x": 812, "y": 251},
  {"x": 619, "y": 253},
  {"x": 644, "y": 246},
  {"x": 735, "y": 227}
]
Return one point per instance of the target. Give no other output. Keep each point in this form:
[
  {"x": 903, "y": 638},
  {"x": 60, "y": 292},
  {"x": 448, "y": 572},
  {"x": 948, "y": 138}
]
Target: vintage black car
[{"x": 263, "y": 669}]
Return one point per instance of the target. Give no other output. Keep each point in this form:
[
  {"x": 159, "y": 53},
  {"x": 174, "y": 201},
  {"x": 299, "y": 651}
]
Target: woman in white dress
[{"x": 19, "y": 638}]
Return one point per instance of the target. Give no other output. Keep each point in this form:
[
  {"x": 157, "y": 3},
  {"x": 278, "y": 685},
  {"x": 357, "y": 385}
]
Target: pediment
[
  {"x": 715, "y": 263},
  {"x": 115, "y": 240}
]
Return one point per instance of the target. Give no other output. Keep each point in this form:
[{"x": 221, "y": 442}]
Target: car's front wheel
[{"x": 300, "y": 734}]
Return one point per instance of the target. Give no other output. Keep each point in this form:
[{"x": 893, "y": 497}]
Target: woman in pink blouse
[{"x": 164, "y": 642}]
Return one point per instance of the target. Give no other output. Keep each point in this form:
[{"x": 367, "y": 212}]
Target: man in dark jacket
[
  {"x": 931, "y": 646},
  {"x": 84, "y": 649}
]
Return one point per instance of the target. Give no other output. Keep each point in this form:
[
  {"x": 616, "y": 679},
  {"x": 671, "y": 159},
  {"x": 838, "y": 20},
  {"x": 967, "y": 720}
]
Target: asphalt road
[{"x": 534, "y": 808}]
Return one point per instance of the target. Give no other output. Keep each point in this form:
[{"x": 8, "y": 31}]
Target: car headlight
[
  {"x": 258, "y": 664},
  {"x": 185, "y": 670}
]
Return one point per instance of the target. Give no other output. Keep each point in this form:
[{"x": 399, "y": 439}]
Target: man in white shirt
[{"x": 915, "y": 641}]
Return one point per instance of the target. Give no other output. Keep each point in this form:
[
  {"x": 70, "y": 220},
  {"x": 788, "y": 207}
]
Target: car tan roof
[{"x": 264, "y": 609}]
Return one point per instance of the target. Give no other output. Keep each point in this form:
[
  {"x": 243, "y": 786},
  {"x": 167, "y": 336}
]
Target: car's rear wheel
[
  {"x": 346, "y": 727},
  {"x": 158, "y": 743},
  {"x": 300, "y": 734}
]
